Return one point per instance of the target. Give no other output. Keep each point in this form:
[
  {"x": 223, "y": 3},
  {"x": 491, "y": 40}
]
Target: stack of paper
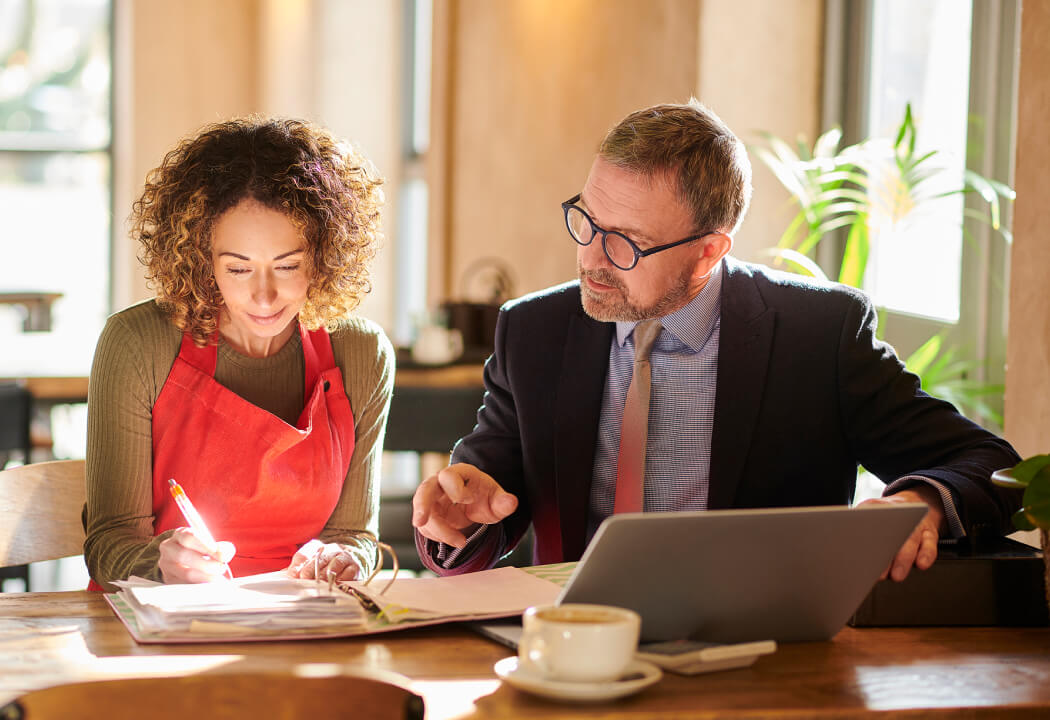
[
  {"x": 492, "y": 593},
  {"x": 256, "y": 604},
  {"x": 273, "y": 606}
]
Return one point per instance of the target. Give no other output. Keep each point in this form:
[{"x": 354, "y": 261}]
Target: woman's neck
[{"x": 252, "y": 345}]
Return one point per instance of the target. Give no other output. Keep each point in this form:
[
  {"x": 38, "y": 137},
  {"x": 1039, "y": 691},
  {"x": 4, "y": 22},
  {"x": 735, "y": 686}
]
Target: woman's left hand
[{"x": 330, "y": 557}]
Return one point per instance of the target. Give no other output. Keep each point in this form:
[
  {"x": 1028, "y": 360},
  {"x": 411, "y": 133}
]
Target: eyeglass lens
[{"x": 618, "y": 250}]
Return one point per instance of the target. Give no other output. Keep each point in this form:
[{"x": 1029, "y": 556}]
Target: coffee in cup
[{"x": 577, "y": 642}]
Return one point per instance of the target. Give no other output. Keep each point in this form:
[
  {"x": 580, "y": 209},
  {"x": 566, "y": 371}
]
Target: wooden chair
[
  {"x": 16, "y": 407},
  {"x": 40, "y": 512},
  {"x": 222, "y": 696}
]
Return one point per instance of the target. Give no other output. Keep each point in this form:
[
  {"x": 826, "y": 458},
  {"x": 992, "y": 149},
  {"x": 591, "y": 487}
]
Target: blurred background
[{"x": 483, "y": 115}]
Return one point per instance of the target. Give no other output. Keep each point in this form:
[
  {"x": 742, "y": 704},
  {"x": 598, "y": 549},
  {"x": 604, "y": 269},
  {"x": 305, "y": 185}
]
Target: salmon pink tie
[{"x": 630, "y": 466}]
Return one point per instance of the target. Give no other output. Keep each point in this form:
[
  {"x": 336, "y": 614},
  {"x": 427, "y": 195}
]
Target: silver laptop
[{"x": 731, "y": 576}]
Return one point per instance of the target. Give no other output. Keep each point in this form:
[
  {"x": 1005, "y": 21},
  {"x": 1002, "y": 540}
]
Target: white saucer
[{"x": 639, "y": 674}]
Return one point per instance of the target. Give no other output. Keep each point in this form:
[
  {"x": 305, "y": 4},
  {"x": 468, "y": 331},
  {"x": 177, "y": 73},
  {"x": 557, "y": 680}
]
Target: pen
[{"x": 195, "y": 520}]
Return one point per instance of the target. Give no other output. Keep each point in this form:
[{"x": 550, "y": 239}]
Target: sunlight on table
[{"x": 452, "y": 699}]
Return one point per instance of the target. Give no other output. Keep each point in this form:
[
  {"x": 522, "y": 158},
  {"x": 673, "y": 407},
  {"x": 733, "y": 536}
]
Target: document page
[{"x": 506, "y": 590}]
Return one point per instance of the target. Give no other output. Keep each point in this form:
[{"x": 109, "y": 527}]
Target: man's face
[{"x": 648, "y": 212}]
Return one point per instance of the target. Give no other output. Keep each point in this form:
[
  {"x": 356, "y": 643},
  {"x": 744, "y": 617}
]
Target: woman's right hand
[{"x": 184, "y": 558}]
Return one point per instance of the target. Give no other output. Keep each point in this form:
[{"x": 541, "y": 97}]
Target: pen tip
[{"x": 171, "y": 482}]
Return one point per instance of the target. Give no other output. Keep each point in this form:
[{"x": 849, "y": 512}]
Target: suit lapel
[
  {"x": 745, "y": 339},
  {"x": 585, "y": 362}
]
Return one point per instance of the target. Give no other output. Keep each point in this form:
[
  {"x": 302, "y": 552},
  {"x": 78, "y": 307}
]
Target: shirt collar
[{"x": 693, "y": 323}]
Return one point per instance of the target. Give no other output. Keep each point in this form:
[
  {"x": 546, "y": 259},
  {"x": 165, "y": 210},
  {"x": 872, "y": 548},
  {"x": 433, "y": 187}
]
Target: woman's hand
[
  {"x": 184, "y": 558},
  {"x": 330, "y": 557}
]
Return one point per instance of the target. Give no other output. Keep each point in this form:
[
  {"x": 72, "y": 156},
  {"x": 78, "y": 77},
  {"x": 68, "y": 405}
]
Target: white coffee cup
[
  {"x": 575, "y": 642},
  {"x": 436, "y": 345}
]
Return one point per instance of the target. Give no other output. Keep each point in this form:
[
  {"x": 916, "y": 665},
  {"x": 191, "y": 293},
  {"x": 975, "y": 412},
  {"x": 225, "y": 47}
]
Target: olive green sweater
[{"x": 132, "y": 360}]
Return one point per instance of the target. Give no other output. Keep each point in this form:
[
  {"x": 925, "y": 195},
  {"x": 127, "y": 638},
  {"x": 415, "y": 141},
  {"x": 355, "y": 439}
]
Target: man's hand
[
  {"x": 460, "y": 496},
  {"x": 920, "y": 549}
]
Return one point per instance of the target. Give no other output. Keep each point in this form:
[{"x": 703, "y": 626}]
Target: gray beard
[{"x": 620, "y": 308}]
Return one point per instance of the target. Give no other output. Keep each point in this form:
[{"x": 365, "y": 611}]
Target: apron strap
[
  {"x": 202, "y": 358},
  {"x": 317, "y": 355}
]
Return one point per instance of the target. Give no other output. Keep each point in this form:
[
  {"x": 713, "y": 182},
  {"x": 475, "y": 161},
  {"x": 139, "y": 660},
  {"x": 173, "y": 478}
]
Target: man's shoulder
[{"x": 777, "y": 287}]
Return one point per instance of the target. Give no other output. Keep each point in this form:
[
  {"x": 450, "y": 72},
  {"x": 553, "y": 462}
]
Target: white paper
[
  {"x": 505, "y": 590},
  {"x": 264, "y": 602}
]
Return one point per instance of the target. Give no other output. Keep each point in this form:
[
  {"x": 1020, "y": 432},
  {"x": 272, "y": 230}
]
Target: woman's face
[{"x": 260, "y": 267}]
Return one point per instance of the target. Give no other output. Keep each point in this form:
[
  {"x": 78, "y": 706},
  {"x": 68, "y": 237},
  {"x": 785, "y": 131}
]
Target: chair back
[
  {"x": 40, "y": 512},
  {"x": 421, "y": 420},
  {"x": 16, "y": 404},
  {"x": 221, "y": 695},
  {"x": 430, "y": 419}
]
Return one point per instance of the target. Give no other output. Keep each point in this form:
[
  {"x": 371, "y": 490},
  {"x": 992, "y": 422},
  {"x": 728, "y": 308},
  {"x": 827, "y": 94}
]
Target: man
[{"x": 767, "y": 389}]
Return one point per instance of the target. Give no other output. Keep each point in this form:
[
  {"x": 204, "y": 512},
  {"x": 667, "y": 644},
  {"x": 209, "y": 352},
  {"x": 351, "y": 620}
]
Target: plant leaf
[
  {"x": 1021, "y": 521},
  {"x": 855, "y": 256},
  {"x": 1037, "y": 499},
  {"x": 788, "y": 238},
  {"x": 919, "y": 360},
  {"x": 802, "y": 263},
  {"x": 1026, "y": 470},
  {"x": 828, "y": 143}
]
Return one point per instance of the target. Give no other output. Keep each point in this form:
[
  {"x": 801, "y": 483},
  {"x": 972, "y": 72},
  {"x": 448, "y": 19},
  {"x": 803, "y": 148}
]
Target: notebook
[
  {"x": 272, "y": 606},
  {"x": 731, "y": 576}
]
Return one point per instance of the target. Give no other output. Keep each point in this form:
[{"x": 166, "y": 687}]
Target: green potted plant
[
  {"x": 1033, "y": 476},
  {"x": 863, "y": 192}
]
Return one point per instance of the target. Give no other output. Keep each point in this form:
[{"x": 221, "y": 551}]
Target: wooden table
[
  {"x": 50, "y": 638},
  {"x": 54, "y": 389}
]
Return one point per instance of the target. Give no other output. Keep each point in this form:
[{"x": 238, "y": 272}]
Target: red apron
[{"x": 257, "y": 482}]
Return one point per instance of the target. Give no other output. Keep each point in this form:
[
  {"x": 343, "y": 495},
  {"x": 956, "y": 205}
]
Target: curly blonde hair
[{"x": 325, "y": 187}]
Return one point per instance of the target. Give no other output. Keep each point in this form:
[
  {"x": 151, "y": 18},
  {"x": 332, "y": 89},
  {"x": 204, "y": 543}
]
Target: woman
[{"x": 243, "y": 380}]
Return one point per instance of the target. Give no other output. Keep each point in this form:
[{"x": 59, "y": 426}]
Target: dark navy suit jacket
[{"x": 804, "y": 393}]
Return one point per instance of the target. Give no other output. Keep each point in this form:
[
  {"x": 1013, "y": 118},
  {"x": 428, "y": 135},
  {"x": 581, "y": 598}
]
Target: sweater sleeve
[
  {"x": 119, "y": 513},
  {"x": 366, "y": 358}
]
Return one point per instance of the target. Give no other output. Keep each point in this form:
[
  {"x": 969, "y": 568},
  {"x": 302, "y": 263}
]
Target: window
[
  {"x": 955, "y": 63},
  {"x": 920, "y": 54},
  {"x": 410, "y": 302},
  {"x": 55, "y": 167}
]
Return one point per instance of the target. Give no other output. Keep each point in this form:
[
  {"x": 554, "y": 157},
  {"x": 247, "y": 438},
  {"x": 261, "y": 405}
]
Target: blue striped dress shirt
[{"x": 684, "y": 364}]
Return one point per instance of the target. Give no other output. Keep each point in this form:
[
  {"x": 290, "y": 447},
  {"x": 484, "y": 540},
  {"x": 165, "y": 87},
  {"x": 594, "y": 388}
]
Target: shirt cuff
[
  {"x": 951, "y": 514},
  {"x": 448, "y": 556}
]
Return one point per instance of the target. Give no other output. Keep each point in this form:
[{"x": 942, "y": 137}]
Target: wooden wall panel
[
  {"x": 187, "y": 63},
  {"x": 1028, "y": 345},
  {"x": 760, "y": 69},
  {"x": 536, "y": 84}
]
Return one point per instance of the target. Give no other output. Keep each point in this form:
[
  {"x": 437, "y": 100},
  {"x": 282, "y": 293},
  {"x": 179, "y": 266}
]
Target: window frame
[{"x": 980, "y": 333}]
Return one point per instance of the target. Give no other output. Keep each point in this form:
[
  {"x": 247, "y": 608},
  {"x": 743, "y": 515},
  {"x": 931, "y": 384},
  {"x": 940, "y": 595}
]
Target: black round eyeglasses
[{"x": 620, "y": 249}]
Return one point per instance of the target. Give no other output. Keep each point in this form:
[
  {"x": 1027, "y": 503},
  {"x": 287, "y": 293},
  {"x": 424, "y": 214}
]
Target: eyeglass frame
[{"x": 570, "y": 204}]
